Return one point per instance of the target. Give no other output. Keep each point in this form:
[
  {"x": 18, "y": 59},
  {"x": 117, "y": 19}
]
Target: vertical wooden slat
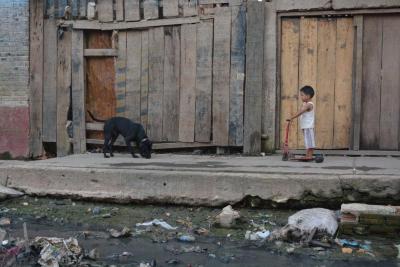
[
  {"x": 307, "y": 63},
  {"x": 170, "y": 8},
  {"x": 121, "y": 77},
  {"x": 60, "y": 8},
  {"x": 371, "y": 92},
  {"x": 221, "y": 76},
  {"x": 238, "y": 50},
  {"x": 132, "y": 10},
  {"x": 133, "y": 58},
  {"x": 75, "y": 8},
  {"x": 150, "y": 9},
  {"x": 204, "y": 81},
  {"x": 390, "y": 92},
  {"x": 49, "y": 81},
  {"x": 188, "y": 7},
  {"x": 144, "y": 79},
  {"x": 36, "y": 78},
  {"x": 357, "y": 81},
  {"x": 63, "y": 92},
  {"x": 324, "y": 108},
  {"x": 171, "y": 84},
  {"x": 78, "y": 93},
  {"x": 343, "y": 83},
  {"x": 82, "y": 8},
  {"x": 289, "y": 74},
  {"x": 156, "y": 81},
  {"x": 50, "y": 8},
  {"x": 105, "y": 10},
  {"x": 188, "y": 83},
  {"x": 119, "y": 10}
]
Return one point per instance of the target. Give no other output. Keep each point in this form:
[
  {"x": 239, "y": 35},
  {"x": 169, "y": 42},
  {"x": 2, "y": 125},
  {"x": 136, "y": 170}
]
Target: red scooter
[{"x": 288, "y": 156}]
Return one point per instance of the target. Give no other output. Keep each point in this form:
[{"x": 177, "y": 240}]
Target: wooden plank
[
  {"x": 49, "y": 8},
  {"x": 119, "y": 10},
  {"x": 36, "y": 78},
  {"x": 204, "y": 81},
  {"x": 289, "y": 75},
  {"x": 307, "y": 63},
  {"x": 311, "y": 13},
  {"x": 82, "y": 8},
  {"x": 133, "y": 58},
  {"x": 78, "y": 93},
  {"x": 63, "y": 92},
  {"x": 371, "y": 92},
  {"x": 60, "y": 8},
  {"x": 238, "y": 50},
  {"x": 132, "y": 10},
  {"x": 75, "y": 8},
  {"x": 254, "y": 77},
  {"x": 390, "y": 90},
  {"x": 100, "y": 52},
  {"x": 357, "y": 81},
  {"x": 188, "y": 7},
  {"x": 156, "y": 83},
  {"x": 94, "y": 25},
  {"x": 324, "y": 107},
  {"x": 170, "y": 8},
  {"x": 187, "y": 112},
  {"x": 171, "y": 84},
  {"x": 230, "y": 2},
  {"x": 144, "y": 79},
  {"x": 157, "y": 146},
  {"x": 150, "y": 9},
  {"x": 343, "y": 83},
  {"x": 49, "y": 81},
  {"x": 105, "y": 10},
  {"x": 120, "y": 74},
  {"x": 221, "y": 76}
]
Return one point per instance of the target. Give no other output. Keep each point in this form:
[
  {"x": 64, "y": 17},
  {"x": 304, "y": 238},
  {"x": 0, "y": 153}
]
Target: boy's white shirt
[{"x": 307, "y": 118}]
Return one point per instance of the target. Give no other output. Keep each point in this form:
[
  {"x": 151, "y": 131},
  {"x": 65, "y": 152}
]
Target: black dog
[{"x": 131, "y": 131}]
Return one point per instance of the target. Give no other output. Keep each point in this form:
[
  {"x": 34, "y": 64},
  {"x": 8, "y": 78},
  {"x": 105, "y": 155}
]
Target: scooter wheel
[{"x": 319, "y": 158}]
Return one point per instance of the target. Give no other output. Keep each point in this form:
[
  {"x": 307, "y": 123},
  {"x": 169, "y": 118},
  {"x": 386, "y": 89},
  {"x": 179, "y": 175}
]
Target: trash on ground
[
  {"x": 5, "y": 221},
  {"x": 201, "y": 231},
  {"x": 254, "y": 236},
  {"x": 227, "y": 217},
  {"x": 157, "y": 222},
  {"x": 125, "y": 232},
  {"x": 173, "y": 261},
  {"x": 352, "y": 244},
  {"x": 186, "y": 238},
  {"x": 94, "y": 254},
  {"x": 6, "y": 193},
  {"x": 398, "y": 248},
  {"x": 347, "y": 250},
  {"x": 55, "y": 251}
]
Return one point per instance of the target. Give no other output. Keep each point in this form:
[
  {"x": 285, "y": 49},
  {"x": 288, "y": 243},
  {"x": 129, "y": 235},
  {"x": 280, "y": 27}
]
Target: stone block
[{"x": 289, "y": 5}]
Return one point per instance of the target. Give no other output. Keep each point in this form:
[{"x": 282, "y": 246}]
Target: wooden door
[
  {"x": 380, "y": 116},
  {"x": 318, "y": 52}
]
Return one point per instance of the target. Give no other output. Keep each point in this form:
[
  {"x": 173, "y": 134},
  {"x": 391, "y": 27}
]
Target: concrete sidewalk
[{"x": 208, "y": 180}]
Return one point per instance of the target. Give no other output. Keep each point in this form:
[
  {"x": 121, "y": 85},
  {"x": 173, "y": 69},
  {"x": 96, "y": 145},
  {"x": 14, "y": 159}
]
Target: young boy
[{"x": 307, "y": 117}]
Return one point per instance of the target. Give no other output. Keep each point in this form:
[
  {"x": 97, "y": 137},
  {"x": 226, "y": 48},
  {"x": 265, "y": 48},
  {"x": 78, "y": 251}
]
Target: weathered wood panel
[
  {"x": 171, "y": 84},
  {"x": 119, "y": 10},
  {"x": 144, "y": 79},
  {"x": 121, "y": 76},
  {"x": 82, "y": 8},
  {"x": 75, "y": 8},
  {"x": 60, "y": 8},
  {"x": 221, "y": 76},
  {"x": 390, "y": 90},
  {"x": 254, "y": 77},
  {"x": 307, "y": 63},
  {"x": 325, "y": 83},
  {"x": 132, "y": 10},
  {"x": 204, "y": 81},
  {"x": 170, "y": 8},
  {"x": 36, "y": 78},
  {"x": 150, "y": 9},
  {"x": 188, "y": 7},
  {"x": 133, "y": 58},
  {"x": 371, "y": 92},
  {"x": 188, "y": 83},
  {"x": 78, "y": 93},
  {"x": 49, "y": 81},
  {"x": 156, "y": 83},
  {"x": 49, "y": 8},
  {"x": 105, "y": 10},
  {"x": 238, "y": 50},
  {"x": 289, "y": 73},
  {"x": 343, "y": 83},
  {"x": 63, "y": 92}
]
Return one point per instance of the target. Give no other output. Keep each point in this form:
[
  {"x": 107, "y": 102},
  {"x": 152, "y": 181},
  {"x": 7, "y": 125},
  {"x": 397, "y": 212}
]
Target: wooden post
[
  {"x": 36, "y": 78},
  {"x": 120, "y": 74},
  {"x": 357, "y": 84},
  {"x": 254, "y": 72},
  {"x": 78, "y": 93},
  {"x": 132, "y": 10},
  {"x": 105, "y": 10}
]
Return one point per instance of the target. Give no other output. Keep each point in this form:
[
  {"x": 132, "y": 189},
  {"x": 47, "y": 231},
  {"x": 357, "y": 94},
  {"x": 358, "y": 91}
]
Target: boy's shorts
[{"x": 309, "y": 138}]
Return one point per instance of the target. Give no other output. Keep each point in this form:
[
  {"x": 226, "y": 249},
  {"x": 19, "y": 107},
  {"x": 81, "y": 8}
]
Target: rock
[
  {"x": 123, "y": 233},
  {"x": 227, "y": 217},
  {"x": 94, "y": 254},
  {"x": 6, "y": 193},
  {"x": 107, "y": 215},
  {"x": 290, "y": 250},
  {"x": 5, "y": 221}
]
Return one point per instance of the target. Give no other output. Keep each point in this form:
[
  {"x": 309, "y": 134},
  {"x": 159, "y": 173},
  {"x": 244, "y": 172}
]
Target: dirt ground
[{"x": 213, "y": 246}]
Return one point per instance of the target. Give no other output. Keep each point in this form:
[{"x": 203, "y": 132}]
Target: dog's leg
[
  {"x": 130, "y": 147},
  {"x": 105, "y": 146},
  {"x": 113, "y": 139}
]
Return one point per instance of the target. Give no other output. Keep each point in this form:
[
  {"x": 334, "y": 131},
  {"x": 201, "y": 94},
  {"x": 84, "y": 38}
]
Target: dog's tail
[{"x": 93, "y": 118}]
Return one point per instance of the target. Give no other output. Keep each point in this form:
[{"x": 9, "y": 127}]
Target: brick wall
[{"x": 14, "y": 76}]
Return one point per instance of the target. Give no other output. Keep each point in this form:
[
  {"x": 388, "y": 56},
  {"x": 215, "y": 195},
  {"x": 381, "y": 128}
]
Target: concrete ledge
[
  {"x": 289, "y": 5},
  {"x": 359, "y": 4}
]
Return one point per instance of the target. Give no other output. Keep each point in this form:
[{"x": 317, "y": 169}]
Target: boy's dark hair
[{"x": 308, "y": 90}]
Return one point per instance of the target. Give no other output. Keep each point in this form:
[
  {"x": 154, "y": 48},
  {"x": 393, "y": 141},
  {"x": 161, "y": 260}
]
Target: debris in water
[
  {"x": 125, "y": 232},
  {"x": 186, "y": 238},
  {"x": 157, "y": 222},
  {"x": 347, "y": 250},
  {"x": 227, "y": 217},
  {"x": 254, "y": 236},
  {"x": 5, "y": 221}
]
